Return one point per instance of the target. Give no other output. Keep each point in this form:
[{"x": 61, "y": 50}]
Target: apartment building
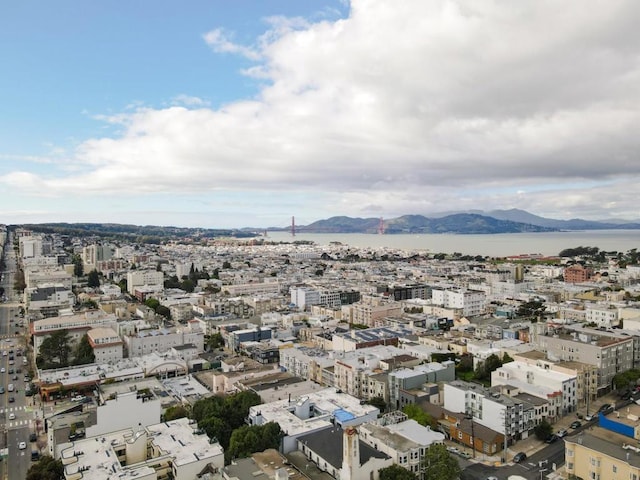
[
  {"x": 406, "y": 442},
  {"x": 577, "y": 274},
  {"x": 470, "y": 302},
  {"x": 165, "y": 450},
  {"x": 601, "y": 454},
  {"x": 107, "y": 345},
  {"x": 75, "y": 325},
  {"x": 140, "y": 278},
  {"x": 602, "y": 315},
  {"x": 558, "y": 389},
  {"x": 144, "y": 342},
  {"x": 610, "y": 353},
  {"x": 498, "y": 412}
]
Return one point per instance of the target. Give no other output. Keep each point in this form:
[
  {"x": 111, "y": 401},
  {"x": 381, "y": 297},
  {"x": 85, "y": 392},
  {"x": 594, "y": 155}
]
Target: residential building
[
  {"x": 470, "y": 302},
  {"x": 165, "y": 450},
  {"x": 577, "y": 274},
  {"x": 107, "y": 345},
  {"x": 491, "y": 409},
  {"x": 140, "y": 278}
]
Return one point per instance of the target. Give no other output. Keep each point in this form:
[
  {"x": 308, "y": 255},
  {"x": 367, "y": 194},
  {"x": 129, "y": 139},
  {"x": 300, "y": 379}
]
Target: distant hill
[
  {"x": 516, "y": 215},
  {"x": 460, "y": 223}
]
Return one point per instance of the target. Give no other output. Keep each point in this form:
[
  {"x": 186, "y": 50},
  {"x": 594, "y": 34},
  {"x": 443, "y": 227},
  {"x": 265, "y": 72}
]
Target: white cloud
[{"x": 404, "y": 107}]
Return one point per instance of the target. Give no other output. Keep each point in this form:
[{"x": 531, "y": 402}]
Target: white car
[
  {"x": 22, "y": 445},
  {"x": 2, "y": 370},
  {"x": 12, "y": 416}
]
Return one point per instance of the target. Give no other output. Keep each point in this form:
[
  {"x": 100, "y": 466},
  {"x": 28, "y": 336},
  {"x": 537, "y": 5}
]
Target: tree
[
  {"x": 188, "y": 285},
  {"x": 219, "y": 416},
  {"x": 215, "y": 341},
  {"x": 543, "y": 430},
  {"x": 438, "y": 464},
  {"x": 175, "y": 412},
  {"x": 78, "y": 266},
  {"x": 84, "y": 352},
  {"x": 414, "y": 412},
  {"x": 506, "y": 358},
  {"x": 533, "y": 309},
  {"x": 249, "y": 439},
  {"x": 46, "y": 469},
  {"x": 492, "y": 362},
  {"x": 226, "y": 265},
  {"x": 93, "y": 279},
  {"x": 152, "y": 303},
  {"x": 164, "y": 311},
  {"x": 396, "y": 472},
  {"x": 55, "y": 350}
]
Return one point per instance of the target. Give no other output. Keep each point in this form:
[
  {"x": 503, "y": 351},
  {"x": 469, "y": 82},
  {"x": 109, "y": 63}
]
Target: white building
[
  {"x": 559, "y": 389},
  {"x": 143, "y": 454},
  {"x": 471, "y": 302},
  {"x": 106, "y": 343},
  {"x": 602, "y": 315},
  {"x": 493, "y": 410},
  {"x": 75, "y": 325},
  {"x": 161, "y": 340},
  {"x": 140, "y": 278},
  {"x": 405, "y": 442},
  {"x": 316, "y": 411}
]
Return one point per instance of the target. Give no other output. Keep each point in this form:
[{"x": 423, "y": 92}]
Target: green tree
[
  {"x": 506, "y": 358},
  {"x": 219, "y": 416},
  {"x": 78, "y": 266},
  {"x": 438, "y": 464},
  {"x": 55, "y": 350},
  {"x": 175, "y": 412},
  {"x": 215, "y": 341},
  {"x": 416, "y": 413},
  {"x": 396, "y": 472},
  {"x": 18, "y": 281},
  {"x": 188, "y": 285},
  {"x": 226, "y": 265},
  {"x": 532, "y": 310},
  {"x": 152, "y": 303},
  {"x": 84, "y": 352},
  {"x": 46, "y": 469},
  {"x": 249, "y": 439},
  {"x": 543, "y": 430},
  {"x": 93, "y": 279},
  {"x": 483, "y": 372},
  {"x": 164, "y": 311}
]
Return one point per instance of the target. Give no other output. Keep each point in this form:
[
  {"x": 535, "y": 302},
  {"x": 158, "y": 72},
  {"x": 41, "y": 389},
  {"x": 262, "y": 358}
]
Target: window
[{"x": 459, "y": 435}]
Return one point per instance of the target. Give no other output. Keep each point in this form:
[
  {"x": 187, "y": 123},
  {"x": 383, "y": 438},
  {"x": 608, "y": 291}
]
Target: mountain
[
  {"x": 460, "y": 223},
  {"x": 516, "y": 215}
]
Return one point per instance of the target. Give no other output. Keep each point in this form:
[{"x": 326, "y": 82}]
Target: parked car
[
  {"x": 520, "y": 457},
  {"x": 576, "y": 424},
  {"x": 561, "y": 433},
  {"x": 552, "y": 438}
]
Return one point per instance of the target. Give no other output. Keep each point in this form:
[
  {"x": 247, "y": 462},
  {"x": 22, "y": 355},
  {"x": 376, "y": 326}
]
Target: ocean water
[{"x": 494, "y": 245}]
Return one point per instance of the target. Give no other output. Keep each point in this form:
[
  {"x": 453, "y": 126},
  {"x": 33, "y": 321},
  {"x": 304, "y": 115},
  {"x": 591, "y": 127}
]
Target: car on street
[
  {"x": 11, "y": 399},
  {"x": 520, "y": 457},
  {"x": 491, "y": 478},
  {"x": 12, "y": 416},
  {"x": 552, "y": 438},
  {"x": 33, "y": 437},
  {"x": 561, "y": 433},
  {"x": 588, "y": 418},
  {"x": 22, "y": 445},
  {"x": 606, "y": 408},
  {"x": 576, "y": 424}
]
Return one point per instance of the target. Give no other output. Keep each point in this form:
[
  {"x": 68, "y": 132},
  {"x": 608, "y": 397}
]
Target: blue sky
[{"x": 232, "y": 114}]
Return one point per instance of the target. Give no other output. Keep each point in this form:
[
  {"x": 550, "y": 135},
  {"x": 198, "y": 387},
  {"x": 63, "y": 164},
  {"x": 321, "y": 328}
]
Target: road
[
  {"x": 530, "y": 469},
  {"x": 15, "y": 416}
]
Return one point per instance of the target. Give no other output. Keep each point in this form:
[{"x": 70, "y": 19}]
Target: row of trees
[{"x": 482, "y": 373}]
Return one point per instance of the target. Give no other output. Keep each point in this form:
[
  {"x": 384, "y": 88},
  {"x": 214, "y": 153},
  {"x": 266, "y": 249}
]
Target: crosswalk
[{"x": 18, "y": 422}]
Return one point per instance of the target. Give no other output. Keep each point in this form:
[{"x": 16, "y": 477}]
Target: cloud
[
  {"x": 403, "y": 107},
  {"x": 218, "y": 40}
]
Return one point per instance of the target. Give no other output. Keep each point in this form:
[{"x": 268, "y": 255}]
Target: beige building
[
  {"x": 601, "y": 455},
  {"x": 107, "y": 345}
]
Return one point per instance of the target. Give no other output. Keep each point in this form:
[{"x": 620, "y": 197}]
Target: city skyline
[{"x": 222, "y": 115}]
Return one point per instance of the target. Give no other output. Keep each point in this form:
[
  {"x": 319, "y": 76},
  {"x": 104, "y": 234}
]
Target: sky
[{"x": 229, "y": 114}]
